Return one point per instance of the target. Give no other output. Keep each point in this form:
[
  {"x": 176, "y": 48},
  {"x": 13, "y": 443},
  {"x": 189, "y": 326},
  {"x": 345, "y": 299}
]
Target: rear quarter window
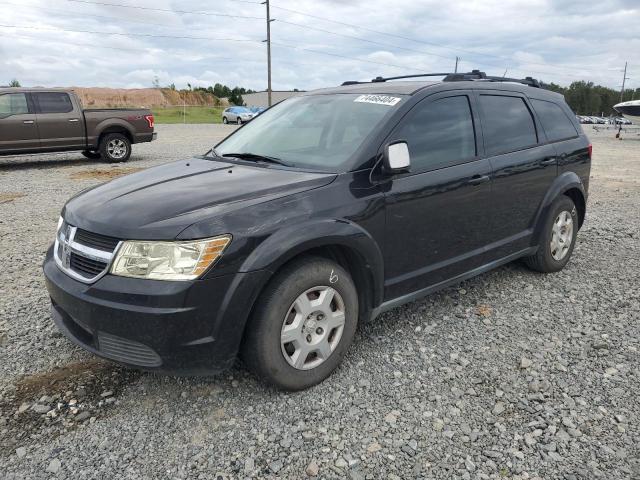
[
  {"x": 557, "y": 125},
  {"x": 507, "y": 124},
  {"x": 53, "y": 102}
]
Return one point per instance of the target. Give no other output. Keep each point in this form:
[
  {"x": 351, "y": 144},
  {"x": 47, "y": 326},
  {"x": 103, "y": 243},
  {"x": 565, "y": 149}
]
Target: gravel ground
[{"x": 510, "y": 375}]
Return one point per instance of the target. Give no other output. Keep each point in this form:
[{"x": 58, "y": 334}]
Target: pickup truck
[{"x": 38, "y": 120}]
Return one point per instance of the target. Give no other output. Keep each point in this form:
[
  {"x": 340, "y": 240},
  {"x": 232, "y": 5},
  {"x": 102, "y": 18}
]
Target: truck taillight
[
  {"x": 149, "y": 119},
  {"x": 590, "y": 150}
]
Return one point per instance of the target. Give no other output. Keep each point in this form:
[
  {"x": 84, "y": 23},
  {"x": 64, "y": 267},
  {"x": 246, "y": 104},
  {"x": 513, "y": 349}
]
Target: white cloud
[{"x": 554, "y": 40}]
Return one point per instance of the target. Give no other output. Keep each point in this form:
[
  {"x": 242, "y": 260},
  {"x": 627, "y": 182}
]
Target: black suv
[{"x": 319, "y": 214}]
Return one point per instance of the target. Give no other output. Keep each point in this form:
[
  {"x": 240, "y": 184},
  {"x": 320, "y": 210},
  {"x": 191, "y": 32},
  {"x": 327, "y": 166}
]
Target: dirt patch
[
  {"x": 103, "y": 174},
  {"x": 49, "y": 403},
  {"x": 10, "y": 197}
]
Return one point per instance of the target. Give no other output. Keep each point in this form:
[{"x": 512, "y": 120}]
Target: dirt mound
[{"x": 143, "y": 97}]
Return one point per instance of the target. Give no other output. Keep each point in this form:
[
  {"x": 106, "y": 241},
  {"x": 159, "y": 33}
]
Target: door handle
[
  {"x": 478, "y": 179},
  {"x": 549, "y": 161},
  {"x": 27, "y": 122},
  {"x": 74, "y": 120}
]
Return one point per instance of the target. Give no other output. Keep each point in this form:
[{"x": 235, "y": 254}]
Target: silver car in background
[{"x": 237, "y": 115}]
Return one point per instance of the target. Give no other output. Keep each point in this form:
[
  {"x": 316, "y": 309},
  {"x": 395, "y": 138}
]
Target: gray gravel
[{"x": 510, "y": 375}]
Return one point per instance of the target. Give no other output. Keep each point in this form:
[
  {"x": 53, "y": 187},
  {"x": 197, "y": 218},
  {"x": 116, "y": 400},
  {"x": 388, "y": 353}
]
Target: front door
[
  {"x": 60, "y": 124},
  {"x": 18, "y": 124},
  {"x": 438, "y": 216}
]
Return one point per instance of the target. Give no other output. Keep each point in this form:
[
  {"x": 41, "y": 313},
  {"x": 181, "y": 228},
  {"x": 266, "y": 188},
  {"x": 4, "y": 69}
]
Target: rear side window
[
  {"x": 53, "y": 102},
  {"x": 440, "y": 133},
  {"x": 13, "y": 104},
  {"x": 507, "y": 124},
  {"x": 555, "y": 122}
]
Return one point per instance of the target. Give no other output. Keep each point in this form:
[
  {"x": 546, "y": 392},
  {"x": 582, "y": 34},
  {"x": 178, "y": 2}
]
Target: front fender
[
  {"x": 291, "y": 241},
  {"x": 563, "y": 183}
]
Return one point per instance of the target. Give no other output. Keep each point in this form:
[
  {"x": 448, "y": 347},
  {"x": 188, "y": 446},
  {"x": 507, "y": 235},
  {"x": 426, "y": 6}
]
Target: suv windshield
[{"x": 316, "y": 131}]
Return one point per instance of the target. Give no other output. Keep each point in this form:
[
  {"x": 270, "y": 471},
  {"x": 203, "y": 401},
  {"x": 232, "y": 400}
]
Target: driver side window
[
  {"x": 439, "y": 133},
  {"x": 13, "y": 104}
]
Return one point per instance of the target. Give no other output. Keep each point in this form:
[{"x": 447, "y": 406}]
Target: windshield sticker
[{"x": 378, "y": 99}]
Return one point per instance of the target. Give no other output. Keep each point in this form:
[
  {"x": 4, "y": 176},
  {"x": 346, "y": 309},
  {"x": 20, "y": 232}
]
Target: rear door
[
  {"x": 438, "y": 220},
  {"x": 18, "y": 124},
  {"x": 523, "y": 164},
  {"x": 60, "y": 122}
]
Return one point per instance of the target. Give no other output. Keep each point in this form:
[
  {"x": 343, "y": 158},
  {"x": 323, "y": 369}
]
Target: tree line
[{"x": 585, "y": 98}]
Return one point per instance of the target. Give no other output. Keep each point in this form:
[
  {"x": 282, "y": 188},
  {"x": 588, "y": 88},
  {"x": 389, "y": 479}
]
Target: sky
[{"x": 315, "y": 43}]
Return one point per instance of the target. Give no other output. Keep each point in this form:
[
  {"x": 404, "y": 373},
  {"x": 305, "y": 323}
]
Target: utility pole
[
  {"x": 266, "y": 3},
  {"x": 457, "y": 60},
  {"x": 624, "y": 79}
]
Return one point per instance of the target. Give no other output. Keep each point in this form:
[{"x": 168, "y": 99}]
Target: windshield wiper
[{"x": 255, "y": 156}]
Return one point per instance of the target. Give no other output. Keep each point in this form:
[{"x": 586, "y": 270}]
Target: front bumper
[{"x": 191, "y": 328}]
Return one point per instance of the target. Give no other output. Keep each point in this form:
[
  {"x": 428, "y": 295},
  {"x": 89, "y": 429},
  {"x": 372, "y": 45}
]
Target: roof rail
[{"x": 457, "y": 77}]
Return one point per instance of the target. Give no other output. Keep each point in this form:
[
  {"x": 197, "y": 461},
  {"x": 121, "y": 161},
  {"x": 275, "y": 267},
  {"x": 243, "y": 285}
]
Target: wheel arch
[
  {"x": 568, "y": 184},
  {"x": 115, "y": 128},
  {"x": 342, "y": 241}
]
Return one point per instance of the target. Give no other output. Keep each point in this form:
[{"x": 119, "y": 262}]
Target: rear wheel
[
  {"x": 558, "y": 237},
  {"x": 115, "y": 147},
  {"x": 302, "y": 324}
]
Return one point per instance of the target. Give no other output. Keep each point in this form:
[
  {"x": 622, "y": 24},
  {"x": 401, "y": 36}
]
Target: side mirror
[{"x": 396, "y": 157}]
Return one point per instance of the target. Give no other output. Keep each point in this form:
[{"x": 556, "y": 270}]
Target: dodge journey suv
[{"x": 321, "y": 213}]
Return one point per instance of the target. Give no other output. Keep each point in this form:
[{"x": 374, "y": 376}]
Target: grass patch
[{"x": 190, "y": 115}]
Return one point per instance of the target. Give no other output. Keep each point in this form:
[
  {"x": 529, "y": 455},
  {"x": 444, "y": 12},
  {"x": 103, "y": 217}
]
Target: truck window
[
  {"x": 439, "y": 133},
  {"x": 507, "y": 124},
  {"x": 53, "y": 102},
  {"x": 555, "y": 122},
  {"x": 13, "y": 104}
]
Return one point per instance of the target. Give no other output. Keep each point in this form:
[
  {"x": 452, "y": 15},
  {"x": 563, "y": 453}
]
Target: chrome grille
[{"x": 83, "y": 255}]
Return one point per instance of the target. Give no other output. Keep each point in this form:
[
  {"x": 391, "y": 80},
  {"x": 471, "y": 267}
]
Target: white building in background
[{"x": 261, "y": 99}]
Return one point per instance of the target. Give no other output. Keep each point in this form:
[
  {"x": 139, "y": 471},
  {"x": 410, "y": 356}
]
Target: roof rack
[{"x": 456, "y": 77}]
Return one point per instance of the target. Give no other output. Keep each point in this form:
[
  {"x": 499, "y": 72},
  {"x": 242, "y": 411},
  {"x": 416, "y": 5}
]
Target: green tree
[
  {"x": 236, "y": 96},
  {"x": 15, "y": 83}
]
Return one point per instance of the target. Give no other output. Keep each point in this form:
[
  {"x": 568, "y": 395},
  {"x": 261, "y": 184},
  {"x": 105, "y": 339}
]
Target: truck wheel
[
  {"x": 91, "y": 154},
  {"x": 302, "y": 324},
  {"x": 558, "y": 237},
  {"x": 115, "y": 147}
]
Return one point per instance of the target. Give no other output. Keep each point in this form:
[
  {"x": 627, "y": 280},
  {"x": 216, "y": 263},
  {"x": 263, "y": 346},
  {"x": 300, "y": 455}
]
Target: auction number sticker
[{"x": 378, "y": 99}]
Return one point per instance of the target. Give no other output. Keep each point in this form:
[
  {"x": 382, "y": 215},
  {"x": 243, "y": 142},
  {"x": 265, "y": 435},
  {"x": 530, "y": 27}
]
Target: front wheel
[
  {"x": 115, "y": 148},
  {"x": 224, "y": 120},
  {"x": 302, "y": 324},
  {"x": 239, "y": 121},
  {"x": 558, "y": 237}
]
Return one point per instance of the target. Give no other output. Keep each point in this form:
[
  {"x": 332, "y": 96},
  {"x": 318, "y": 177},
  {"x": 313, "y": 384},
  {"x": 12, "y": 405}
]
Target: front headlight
[{"x": 168, "y": 260}]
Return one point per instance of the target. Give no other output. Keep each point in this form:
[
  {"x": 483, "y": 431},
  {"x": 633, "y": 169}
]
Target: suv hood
[{"x": 160, "y": 202}]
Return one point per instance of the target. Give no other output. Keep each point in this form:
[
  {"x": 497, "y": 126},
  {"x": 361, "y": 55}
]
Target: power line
[
  {"x": 183, "y": 37},
  {"x": 211, "y": 14},
  {"x": 378, "y": 32}
]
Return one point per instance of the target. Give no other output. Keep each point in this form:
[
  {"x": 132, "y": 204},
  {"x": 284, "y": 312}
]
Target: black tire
[
  {"x": 543, "y": 260},
  {"x": 91, "y": 154},
  {"x": 239, "y": 121},
  {"x": 224, "y": 120},
  {"x": 106, "y": 143},
  {"x": 262, "y": 350}
]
